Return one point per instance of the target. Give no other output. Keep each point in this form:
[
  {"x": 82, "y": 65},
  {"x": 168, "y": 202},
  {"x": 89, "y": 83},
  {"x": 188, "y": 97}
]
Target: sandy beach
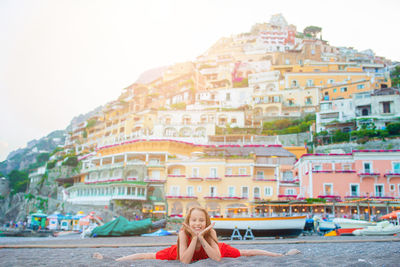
[{"x": 315, "y": 251}]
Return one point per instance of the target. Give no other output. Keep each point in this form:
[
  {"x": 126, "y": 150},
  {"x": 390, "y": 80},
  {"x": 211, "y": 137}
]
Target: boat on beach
[
  {"x": 342, "y": 226},
  {"x": 26, "y": 233},
  {"x": 261, "y": 227},
  {"x": 382, "y": 228}
]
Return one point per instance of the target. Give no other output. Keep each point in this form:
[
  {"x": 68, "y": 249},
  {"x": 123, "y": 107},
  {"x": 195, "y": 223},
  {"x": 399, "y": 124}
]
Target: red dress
[{"x": 171, "y": 253}]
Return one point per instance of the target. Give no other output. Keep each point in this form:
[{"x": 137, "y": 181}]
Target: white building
[
  {"x": 339, "y": 110},
  {"x": 379, "y": 107}
]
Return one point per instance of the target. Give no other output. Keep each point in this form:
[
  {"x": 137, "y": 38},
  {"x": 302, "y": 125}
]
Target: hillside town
[{"x": 199, "y": 133}]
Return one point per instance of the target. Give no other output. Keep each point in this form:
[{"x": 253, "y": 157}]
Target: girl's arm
[
  {"x": 186, "y": 252},
  {"x": 210, "y": 245}
]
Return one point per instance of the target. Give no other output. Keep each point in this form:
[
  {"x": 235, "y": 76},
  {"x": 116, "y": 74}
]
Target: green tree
[
  {"x": 18, "y": 180},
  {"x": 71, "y": 161},
  {"x": 395, "y": 76},
  {"x": 394, "y": 128},
  {"x": 43, "y": 157},
  {"x": 312, "y": 31},
  {"x": 339, "y": 136}
]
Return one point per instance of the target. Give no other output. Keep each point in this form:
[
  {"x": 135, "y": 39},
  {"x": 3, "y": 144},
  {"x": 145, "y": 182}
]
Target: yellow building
[
  {"x": 226, "y": 180},
  {"x": 334, "y": 79}
]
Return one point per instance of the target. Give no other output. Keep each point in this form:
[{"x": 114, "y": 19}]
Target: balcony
[
  {"x": 105, "y": 180},
  {"x": 295, "y": 181},
  {"x": 237, "y": 175},
  {"x": 355, "y": 195},
  {"x": 322, "y": 171},
  {"x": 287, "y": 196},
  {"x": 213, "y": 178},
  {"x": 264, "y": 179},
  {"x": 180, "y": 197},
  {"x": 199, "y": 179},
  {"x": 154, "y": 180},
  {"x": 212, "y": 197},
  {"x": 135, "y": 162},
  {"x": 129, "y": 197},
  {"x": 369, "y": 174},
  {"x": 345, "y": 171},
  {"x": 329, "y": 195},
  {"x": 176, "y": 175},
  {"x": 233, "y": 198},
  {"x": 132, "y": 178},
  {"x": 389, "y": 174}
]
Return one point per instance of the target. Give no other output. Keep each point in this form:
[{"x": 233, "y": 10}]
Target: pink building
[{"x": 361, "y": 174}]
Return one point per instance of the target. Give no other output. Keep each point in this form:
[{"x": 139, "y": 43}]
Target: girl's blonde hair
[{"x": 187, "y": 220}]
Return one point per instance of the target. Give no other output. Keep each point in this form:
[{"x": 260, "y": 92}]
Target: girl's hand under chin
[
  {"x": 190, "y": 230},
  {"x": 205, "y": 230}
]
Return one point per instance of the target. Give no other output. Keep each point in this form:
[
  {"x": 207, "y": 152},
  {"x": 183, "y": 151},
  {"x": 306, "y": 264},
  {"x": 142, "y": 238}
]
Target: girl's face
[{"x": 197, "y": 220}]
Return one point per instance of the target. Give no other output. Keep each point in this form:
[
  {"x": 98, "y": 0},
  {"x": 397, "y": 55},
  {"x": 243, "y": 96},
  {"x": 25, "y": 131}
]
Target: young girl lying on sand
[{"x": 197, "y": 240}]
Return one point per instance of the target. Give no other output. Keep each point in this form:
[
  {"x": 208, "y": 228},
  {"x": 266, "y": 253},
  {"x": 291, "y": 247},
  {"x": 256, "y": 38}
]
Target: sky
[{"x": 62, "y": 58}]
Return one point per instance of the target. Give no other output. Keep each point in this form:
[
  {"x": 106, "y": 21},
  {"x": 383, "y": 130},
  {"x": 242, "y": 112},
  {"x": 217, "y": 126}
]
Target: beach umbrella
[{"x": 392, "y": 215}]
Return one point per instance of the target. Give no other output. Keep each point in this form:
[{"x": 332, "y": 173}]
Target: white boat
[
  {"x": 342, "y": 223},
  {"x": 265, "y": 226},
  {"x": 382, "y": 228}
]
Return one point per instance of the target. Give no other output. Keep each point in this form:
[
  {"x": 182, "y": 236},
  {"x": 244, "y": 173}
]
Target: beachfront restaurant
[{"x": 357, "y": 208}]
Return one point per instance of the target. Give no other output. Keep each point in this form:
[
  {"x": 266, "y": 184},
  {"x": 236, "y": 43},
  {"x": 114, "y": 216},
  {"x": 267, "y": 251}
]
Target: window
[
  {"x": 213, "y": 191},
  {"x": 310, "y": 83},
  {"x": 199, "y": 189},
  {"x": 360, "y": 86},
  {"x": 331, "y": 81},
  {"x": 379, "y": 192},
  {"x": 268, "y": 191},
  {"x": 328, "y": 189},
  {"x": 231, "y": 191},
  {"x": 367, "y": 167},
  {"x": 260, "y": 175},
  {"x": 392, "y": 187},
  {"x": 256, "y": 192},
  {"x": 190, "y": 191},
  {"x": 343, "y": 89},
  {"x": 213, "y": 172},
  {"x": 176, "y": 171},
  {"x": 245, "y": 192},
  {"x": 354, "y": 190},
  {"x": 228, "y": 171},
  {"x": 396, "y": 167},
  {"x": 195, "y": 172},
  {"x": 174, "y": 190},
  {"x": 335, "y": 90},
  {"x": 228, "y": 96},
  {"x": 242, "y": 171},
  {"x": 233, "y": 120},
  {"x": 290, "y": 191},
  {"x": 287, "y": 61},
  {"x": 386, "y": 107},
  {"x": 294, "y": 83}
]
